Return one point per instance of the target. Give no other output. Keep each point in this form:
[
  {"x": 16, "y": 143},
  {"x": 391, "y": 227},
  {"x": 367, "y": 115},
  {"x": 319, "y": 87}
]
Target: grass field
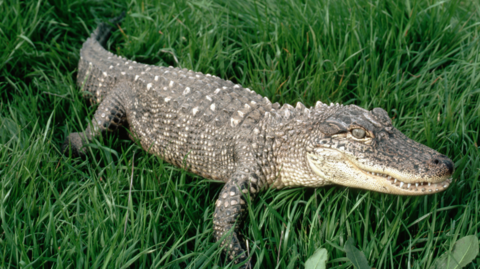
[{"x": 419, "y": 60}]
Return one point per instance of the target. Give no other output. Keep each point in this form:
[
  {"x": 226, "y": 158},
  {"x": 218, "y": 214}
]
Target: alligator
[{"x": 222, "y": 131}]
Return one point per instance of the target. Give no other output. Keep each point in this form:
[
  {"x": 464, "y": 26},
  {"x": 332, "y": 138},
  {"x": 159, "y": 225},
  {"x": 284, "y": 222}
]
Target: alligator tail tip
[{"x": 104, "y": 30}]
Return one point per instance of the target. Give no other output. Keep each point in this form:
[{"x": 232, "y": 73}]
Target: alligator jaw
[
  {"x": 334, "y": 167},
  {"x": 417, "y": 187}
]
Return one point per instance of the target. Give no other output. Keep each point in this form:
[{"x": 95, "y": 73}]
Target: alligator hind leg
[{"x": 109, "y": 116}]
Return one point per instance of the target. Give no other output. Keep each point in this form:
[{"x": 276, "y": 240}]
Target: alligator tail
[
  {"x": 92, "y": 56},
  {"x": 104, "y": 30}
]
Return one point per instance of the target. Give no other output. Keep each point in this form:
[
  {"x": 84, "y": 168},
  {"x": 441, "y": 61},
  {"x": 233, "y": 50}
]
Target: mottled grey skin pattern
[{"x": 222, "y": 131}]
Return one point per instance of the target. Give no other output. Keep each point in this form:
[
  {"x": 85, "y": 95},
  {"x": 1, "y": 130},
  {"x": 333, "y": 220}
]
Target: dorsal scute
[
  {"x": 287, "y": 112},
  {"x": 319, "y": 105},
  {"x": 302, "y": 111},
  {"x": 300, "y": 107}
]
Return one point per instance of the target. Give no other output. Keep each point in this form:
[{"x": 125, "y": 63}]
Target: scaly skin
[{"x": 222, "y": 131}]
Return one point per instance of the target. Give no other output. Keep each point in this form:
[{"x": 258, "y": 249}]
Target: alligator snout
[{"x": 442, "y": 165}]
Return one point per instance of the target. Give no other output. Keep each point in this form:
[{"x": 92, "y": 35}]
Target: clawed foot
[
  {"x": 235, "y": 251},
  {"x": 74, "y": 143}
]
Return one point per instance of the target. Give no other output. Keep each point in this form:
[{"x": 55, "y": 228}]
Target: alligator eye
[{"x": 358, "y": 133}]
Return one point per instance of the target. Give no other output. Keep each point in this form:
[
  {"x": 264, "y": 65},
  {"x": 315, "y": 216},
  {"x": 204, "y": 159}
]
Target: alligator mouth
[
  {"x": 339, "y": 167},
  {"x": 425, "y": 187}
]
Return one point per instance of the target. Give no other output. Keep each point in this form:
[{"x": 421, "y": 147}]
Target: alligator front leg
[
  {"x": 231, "y": 209},
  {"x": 109, "y": 116}
]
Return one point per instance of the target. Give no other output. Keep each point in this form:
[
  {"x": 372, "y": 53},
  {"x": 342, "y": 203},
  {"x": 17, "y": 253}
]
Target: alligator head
[{"x": 358, "y": 148}]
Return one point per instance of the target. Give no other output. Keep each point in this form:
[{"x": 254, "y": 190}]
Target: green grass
[{"x": 419, "y": 60}]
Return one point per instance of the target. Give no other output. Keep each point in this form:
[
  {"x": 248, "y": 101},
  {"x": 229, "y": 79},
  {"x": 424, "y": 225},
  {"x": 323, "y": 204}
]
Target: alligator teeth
[{"x": 433, "y": 188}]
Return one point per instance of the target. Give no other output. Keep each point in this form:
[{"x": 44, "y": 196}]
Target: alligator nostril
[
  {"x": 449, "y": 164},
  {"x": 441, "y": 163}
]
